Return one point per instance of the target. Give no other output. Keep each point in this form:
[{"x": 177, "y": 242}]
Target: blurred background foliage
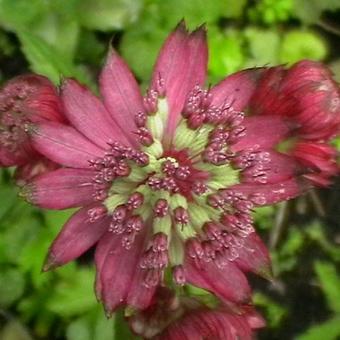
[{"x": 70, "y": 38}]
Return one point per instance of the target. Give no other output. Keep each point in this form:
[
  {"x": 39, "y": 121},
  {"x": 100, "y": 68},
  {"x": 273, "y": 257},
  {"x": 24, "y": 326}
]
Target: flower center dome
[{"x": 176, "y": 186}]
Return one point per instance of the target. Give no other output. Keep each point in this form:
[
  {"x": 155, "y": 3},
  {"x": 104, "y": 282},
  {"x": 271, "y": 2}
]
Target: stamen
[
  {"x": 96, "y": 213},
  {"x": 181, "y": 215},
  {"x": 178, "y": 275},
  {"x": 161, "y": 208}
]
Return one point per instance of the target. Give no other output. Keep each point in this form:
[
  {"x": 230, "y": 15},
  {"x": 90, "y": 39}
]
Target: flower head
[
  {"x": 167, "y": 182},
  {"x": 26, "y": 99},
  {"x": 174, "y": 317}
]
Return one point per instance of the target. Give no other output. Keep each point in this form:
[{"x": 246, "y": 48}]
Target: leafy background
[{"x": 69, "y": 38}]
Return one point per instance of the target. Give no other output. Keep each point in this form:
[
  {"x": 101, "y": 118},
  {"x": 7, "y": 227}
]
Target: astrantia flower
[
  {"x": 159, "y": 178},
  {"x": 303, "y": 103},
  {"x": 25, "y": 99},
  {"x": 189, "y": 318}
]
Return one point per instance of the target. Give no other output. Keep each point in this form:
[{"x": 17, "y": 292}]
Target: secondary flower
[
  {"x": 175, "y": 317},
  {"x": 303, "y": 103},
  {"x": 24, "y": 99},
  {"x": 166, "y": 183}
]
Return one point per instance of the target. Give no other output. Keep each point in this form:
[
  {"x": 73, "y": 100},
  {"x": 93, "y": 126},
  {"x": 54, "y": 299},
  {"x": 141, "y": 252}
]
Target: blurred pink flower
[{"x": 26, "y": 99}]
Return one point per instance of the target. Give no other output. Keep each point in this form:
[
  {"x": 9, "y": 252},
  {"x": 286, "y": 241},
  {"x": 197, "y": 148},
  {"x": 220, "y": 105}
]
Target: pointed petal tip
[
  {"x": 200, "y": 31},
  {"x": 108, "y": 311},
  {"x": 181, "y": 27},
  {"x": 266, "y": 272},
  {"x": 50, "y": 263}
]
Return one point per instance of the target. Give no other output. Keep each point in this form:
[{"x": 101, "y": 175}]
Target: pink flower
[
  {"x": 166, "y": 183},
  {"x": 179, "y": 318},
  {"x": 299, "y": 108},
  {"x": 26, "y": 99}
]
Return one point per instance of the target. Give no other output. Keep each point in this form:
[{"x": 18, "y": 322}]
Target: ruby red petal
[
  {"x": 88, "y": 115},
  {"x": 120, "y": 93},
  {"x": 62, "y": 189},
  {"x": 77, "y": 236},
  {"x": 117, "y": 270},
  {"x": 231, "y": 285},
  {"x": 254, "y": 256},
  {"x": 278, "y": 168},
  {"x": 236, "y": 89},
  {"x": 139, "y": 295},
  {"x": 181, "y": 64},
  {"x": 103, "y": 247},
  {"x": 266, "y": 194},
  {"x": 64, "y": 145}
]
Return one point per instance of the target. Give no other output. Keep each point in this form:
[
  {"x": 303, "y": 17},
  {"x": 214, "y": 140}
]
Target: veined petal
[
  {"x": 254, "y": 256},
  {"x": 262, "y": 132},
  {"x": 277, "y": 168},
  {"x": 88, "y": 115},
  {"x": 117, "y": 270},
  {"x": 139, "y": 295},
  {"x": 77, "y": 236},
  {"x": 266, "y": 194},
  {"x": 236, "y": 89},
  {"x": 64, "y": 145},
  {"x": 209, "y": 324},
  {"x": 120, "y": 93},
  {"x": 61, "y": 189},
  {"x": 181, "y": 64},
  {"x": 231, "y": 285},
  {"x": 106, "y": 242}
]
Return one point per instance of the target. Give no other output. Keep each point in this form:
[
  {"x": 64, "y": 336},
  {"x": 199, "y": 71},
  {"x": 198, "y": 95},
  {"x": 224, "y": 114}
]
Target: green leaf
[
  {"x": 33, "y": 256},
  {"x": 195, "y": 12},
  {"x": 309, "y": 11},
  {"x": 315, "y": 231},
  {"x": 20, "y": 13},
  {"x": 17, "y": 235},
  {"x": 330, "y": 283},
  {"x": 55, "y": 219},
  {"x": 73, "y": 295},
  {"x": 329, "y": 330},
  {"x": 60, "y": 32},
  {"x": 263, "y": 45},
  {"x": 12, "y": 284},
  {"x": 297, "y": 45},
  {"x": 79, "y": 330},
  {"x": 285, "y": 258},
  {"x": 106, "y": 329},
  {"x": 226, "y": 54},
  {"x": 140, "y": 48},
  {"x": 121, "y": 329},
  {"x": 271, "y": 11},
  {"x": 264, "y": 217},
  {"x": 8, "y": 197},
  {"x": 275, "y": 313},
  {"x": 107, "y": 15},
  {"x": 47, "y": 60},
  {"x": 234, "y": 9}
]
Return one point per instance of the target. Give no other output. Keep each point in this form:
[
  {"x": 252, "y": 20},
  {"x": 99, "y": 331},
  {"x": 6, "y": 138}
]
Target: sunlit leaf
[
  {"x": 297, "y": 45},
  {"x": 330, "y": 283},
  {"x": 106, "y": 15},
  {"x": 329, "y": 330},
  {"x": 47, "y": 60},
  {"x": 12, "y": 284}
]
